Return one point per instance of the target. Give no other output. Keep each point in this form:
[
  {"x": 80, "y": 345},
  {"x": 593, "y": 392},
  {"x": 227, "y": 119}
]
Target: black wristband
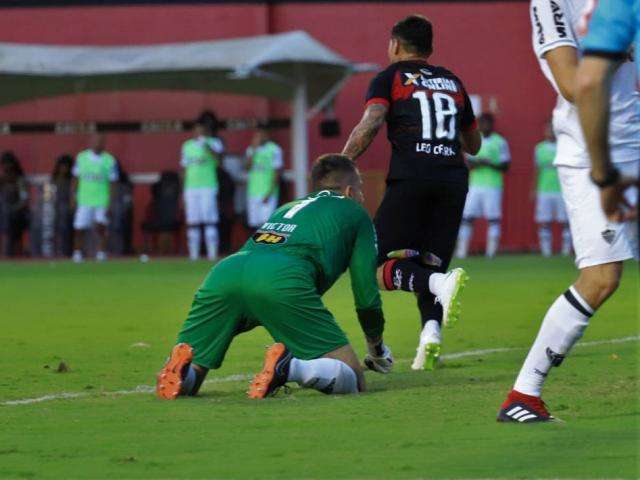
[
  {"x": 372, "y": 322},
  {"x": 612, "y": 177}
]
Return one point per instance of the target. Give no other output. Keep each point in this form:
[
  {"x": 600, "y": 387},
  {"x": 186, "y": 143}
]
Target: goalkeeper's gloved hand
[{"x": 379, "y": 358}]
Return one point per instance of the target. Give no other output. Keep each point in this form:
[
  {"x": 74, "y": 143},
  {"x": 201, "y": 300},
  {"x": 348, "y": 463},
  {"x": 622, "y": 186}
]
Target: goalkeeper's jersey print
[
  {"x": 428, "y": 108},
  {"x": 333, "y": 233},
  {"x": 563, "y": 23}
]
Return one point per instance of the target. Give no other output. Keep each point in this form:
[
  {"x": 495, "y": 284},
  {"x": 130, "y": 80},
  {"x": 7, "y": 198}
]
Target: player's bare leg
[
  {"x": 336, "y": 372},
  {"x": 564, "y": 324}
]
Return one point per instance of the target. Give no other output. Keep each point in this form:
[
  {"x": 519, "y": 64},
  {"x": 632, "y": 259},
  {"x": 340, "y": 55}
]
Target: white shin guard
[{"x": 327, "y": 375}]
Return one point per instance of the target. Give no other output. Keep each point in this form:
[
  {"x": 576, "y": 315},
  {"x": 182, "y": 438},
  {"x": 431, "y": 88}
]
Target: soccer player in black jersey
[{"x": 430, "y": 122}]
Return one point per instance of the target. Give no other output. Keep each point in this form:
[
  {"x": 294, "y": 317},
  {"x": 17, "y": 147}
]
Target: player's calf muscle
[{"x": 596, "y": 284}]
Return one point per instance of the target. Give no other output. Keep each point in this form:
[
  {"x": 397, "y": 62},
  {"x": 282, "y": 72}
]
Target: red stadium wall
[{"x": 486, "y": 43}]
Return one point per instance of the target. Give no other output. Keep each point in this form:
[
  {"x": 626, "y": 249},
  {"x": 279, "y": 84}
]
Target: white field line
[{"x": 245, "y": 377}]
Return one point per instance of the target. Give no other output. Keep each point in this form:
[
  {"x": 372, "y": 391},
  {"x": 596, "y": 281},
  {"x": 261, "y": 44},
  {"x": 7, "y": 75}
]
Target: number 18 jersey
[{"x": 428, "y": 108}]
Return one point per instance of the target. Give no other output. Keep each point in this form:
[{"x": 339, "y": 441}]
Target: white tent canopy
[{"x": 290, "y": 66}]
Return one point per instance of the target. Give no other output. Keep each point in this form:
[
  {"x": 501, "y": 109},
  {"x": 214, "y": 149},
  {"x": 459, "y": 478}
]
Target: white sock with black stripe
[{"x": 563, "y": 325}]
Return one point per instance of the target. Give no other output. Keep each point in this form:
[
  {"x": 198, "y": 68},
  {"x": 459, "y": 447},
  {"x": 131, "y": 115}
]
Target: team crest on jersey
[
  {"x": 609, "y": 235},
  {"x": 269, "y": 238}
]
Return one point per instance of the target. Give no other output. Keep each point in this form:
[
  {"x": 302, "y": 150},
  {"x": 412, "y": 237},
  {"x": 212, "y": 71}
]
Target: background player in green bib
[
  {"x": 276, "y": 280},
  {"x": 549, "y": 203},
  {"x": 484, "y": 199},
  {"x": 93, "y": 171},
  {"x": 265, "y": 167},
  {"x": 199, "y": 158}
]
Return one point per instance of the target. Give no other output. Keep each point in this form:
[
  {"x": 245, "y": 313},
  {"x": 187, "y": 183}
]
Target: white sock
[
  {"x": 563, "y": 325},
  {"x": 326, "y": 375},
  {"x": 193, "y": 242},
  {"x": 211, "y": 239},
  {"x": 566, "y": 241},
  {"x": 431, "y": 333},
  {"x": 464, "y": 238},
  {"x": 493, "y": 238},
  {"x": 544, "y": 237},
  {"x": 436, "y": 280}
]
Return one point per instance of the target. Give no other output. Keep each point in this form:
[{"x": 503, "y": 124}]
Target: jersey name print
[{"x": 428, "y": 108}]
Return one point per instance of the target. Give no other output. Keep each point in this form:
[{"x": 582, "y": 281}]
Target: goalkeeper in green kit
[{"x": 277, "y": 279}]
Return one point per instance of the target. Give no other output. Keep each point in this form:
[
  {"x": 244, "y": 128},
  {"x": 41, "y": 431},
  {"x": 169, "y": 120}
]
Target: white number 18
[{"x": 445, "y": 112}]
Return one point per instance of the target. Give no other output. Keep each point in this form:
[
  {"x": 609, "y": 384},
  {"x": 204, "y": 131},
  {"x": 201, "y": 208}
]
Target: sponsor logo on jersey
[
  {"x": 438, "y": 83},
  {"x": 412, "y": 78},
  {"x": 269, "y": 238},
  {"x": 539, "y": 30},
  {"x": 558, "y": 19}
]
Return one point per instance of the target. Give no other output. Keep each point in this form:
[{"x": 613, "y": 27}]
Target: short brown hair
[
  {"x": 333, "y": 170},
  {"x": 415, "y": 32}
]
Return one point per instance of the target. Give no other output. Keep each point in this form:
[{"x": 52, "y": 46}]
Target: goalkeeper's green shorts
[{"x": 249, "y": 289}]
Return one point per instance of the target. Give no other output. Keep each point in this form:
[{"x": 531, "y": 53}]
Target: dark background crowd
[{"x": 36, "y": 218}]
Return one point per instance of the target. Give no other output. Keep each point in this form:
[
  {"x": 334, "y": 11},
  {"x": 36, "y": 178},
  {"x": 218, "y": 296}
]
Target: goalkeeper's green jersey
[{"x": 331, "y": 232}]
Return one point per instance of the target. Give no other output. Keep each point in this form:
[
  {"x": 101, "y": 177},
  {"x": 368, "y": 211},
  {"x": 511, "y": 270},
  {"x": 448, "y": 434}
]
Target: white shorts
[
  {"x": 201, "y": 206},
  {"x": 550, "y": 208},
  {"x": 483, "y": 202},
  {"x": 596, "y": 241},
  {"x": 258, "y": 211},
  {"x": 85, "y": 217}
]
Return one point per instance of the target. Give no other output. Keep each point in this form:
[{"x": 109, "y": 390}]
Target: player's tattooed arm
[{"x": 364, "y": 133}]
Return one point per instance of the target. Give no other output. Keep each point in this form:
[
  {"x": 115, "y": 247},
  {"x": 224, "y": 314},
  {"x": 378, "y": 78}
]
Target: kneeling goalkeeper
[{"x": 276, "y": 280}]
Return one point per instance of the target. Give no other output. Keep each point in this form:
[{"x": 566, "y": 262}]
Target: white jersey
[{"x": 558, "y": 23}]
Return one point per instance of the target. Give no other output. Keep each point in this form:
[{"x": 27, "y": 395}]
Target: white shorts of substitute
[
  {"x": 550, "y": 208},
  {"x": 85, "y": 217},
  {"x": 201, "y": 206},
  {"x": 483, "y": 202},
  {"x": 258, "y": 211},
  {"x": 596, "y": 241}
]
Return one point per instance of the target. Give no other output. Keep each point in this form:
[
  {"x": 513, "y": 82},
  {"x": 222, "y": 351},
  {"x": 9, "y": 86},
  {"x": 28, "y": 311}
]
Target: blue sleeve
[{"x": 611, "y": 30}]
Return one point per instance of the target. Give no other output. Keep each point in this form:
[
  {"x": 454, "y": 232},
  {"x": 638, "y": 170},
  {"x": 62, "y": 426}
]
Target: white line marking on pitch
[{"x": 244, "y": 377}]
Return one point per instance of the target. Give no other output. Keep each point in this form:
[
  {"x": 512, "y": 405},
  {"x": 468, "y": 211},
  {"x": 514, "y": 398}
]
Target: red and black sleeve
[{"x": 380, "y": 89}]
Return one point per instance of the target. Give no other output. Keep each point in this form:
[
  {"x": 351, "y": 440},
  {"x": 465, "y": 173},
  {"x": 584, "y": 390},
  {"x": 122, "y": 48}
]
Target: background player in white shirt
[{"x": 600, "y": 245}]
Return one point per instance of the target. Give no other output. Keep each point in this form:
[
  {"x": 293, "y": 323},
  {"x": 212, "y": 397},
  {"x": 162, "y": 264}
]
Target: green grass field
[{"x": 114, "y": 323}]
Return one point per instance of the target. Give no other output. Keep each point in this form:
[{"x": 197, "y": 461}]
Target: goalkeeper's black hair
[{"x": 333, "y": 171}]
